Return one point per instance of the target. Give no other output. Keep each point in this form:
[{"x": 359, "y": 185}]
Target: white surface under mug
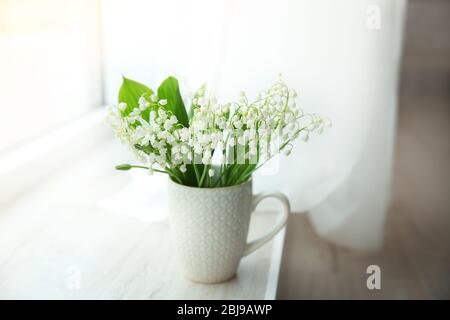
[{"x": 210, "y": 227}]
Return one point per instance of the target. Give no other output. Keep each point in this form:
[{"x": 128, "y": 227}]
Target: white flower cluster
[{"x": 239, "y": 132}]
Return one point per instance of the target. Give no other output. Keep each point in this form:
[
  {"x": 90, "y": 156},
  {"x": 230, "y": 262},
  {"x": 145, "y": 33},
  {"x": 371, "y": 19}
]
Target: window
[{"x": 49, "y": 65}]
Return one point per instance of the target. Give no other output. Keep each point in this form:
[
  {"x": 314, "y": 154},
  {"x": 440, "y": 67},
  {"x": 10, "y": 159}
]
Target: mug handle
[{"x": 255, "y": 244}]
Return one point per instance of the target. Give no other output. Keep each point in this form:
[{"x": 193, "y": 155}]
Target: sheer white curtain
[{"x": 341, "y": 56}]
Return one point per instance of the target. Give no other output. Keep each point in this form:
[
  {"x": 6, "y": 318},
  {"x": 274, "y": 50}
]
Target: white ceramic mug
[{"x": 210, "y": 227}]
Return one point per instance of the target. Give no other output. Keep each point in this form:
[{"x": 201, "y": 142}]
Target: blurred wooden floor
[{"x": 415, "y": 259}]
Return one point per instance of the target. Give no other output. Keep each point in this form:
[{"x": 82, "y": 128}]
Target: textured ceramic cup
[{"x": 210, "y": 226}]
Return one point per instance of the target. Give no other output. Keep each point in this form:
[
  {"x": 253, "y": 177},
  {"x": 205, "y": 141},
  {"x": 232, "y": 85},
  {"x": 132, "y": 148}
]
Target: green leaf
[
  {"x": 170, "y": 91},
  {"x": 148, "y": 149},
  {"x": 130, "y": 92}
]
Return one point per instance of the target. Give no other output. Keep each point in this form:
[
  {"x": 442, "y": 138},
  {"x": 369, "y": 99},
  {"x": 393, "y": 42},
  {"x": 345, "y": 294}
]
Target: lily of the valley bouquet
[{"x": 209, "y": 144}]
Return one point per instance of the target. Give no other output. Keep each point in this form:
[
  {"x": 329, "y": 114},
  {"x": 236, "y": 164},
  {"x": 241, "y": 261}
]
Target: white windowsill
[
  {"x": 28, "y": 164},
  {"x": 69, "y": 222}
]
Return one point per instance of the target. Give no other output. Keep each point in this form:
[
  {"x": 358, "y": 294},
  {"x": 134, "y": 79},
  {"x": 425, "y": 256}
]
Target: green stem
[
  {"x": 222, "y": 173},
  {"x": 246, "y": 174},
  {"x": 205, "y": 169},
  {"x": 174, "y": 176},
  {"x": 197, "y": 175},
  {"x": 142, "y": 167}
]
